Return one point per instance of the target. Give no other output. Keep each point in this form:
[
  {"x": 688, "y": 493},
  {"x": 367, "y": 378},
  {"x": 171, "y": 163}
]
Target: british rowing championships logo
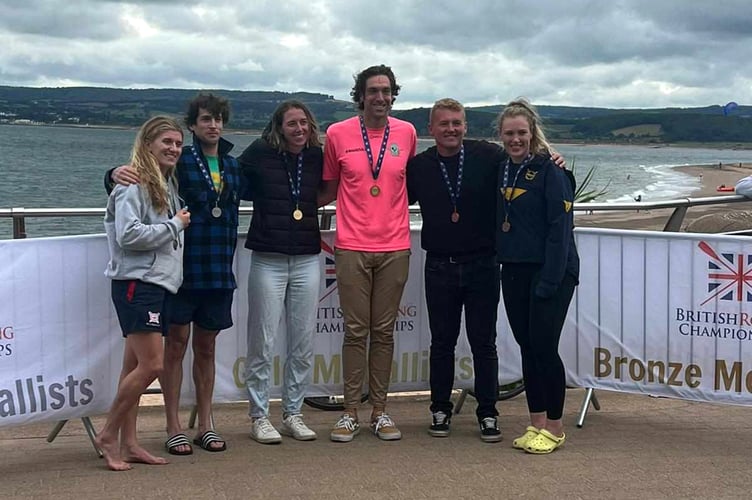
[
  {"x": 729, "y": 275},
  {"x": 725, "y": 312}
]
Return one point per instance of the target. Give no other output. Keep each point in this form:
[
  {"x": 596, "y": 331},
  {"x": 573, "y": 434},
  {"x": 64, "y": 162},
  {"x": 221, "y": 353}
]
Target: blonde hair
[
  {"x": 522, "y": 107},
  {"x": 446, "y": 103},
  {"x": 146, "y": 165}
]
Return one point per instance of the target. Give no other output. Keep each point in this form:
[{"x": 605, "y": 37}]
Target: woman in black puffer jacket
[{"x": 283, "y": 168}]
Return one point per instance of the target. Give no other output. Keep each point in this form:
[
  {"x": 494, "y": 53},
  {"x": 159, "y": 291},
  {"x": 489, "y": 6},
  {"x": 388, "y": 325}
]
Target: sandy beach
[{"x": 711, "y": 176}]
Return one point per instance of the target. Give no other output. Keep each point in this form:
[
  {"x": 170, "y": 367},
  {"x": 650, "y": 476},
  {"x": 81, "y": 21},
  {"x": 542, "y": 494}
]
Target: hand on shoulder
[{"x": 125, "y": 175}]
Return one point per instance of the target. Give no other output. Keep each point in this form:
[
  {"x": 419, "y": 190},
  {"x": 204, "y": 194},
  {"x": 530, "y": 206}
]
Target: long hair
[
  {"x": 522, "y": 107},
  {"x": 146, "y": 165},
  {"x": 273, "y": 132}
]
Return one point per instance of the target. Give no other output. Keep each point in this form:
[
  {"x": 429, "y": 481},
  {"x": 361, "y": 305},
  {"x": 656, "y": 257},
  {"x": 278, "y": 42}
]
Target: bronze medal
[
  {"x": 455, "y": 217},
  {"x": 297, "y": 214},
  {"x": 506, "y": 226},
  {"x": 216, "y": 212},
  {"x": 375, "y": 190}
]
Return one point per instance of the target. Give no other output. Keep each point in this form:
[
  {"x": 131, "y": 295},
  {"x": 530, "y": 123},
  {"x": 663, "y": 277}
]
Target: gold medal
[
  {"x": 297, "y": 214},
  {"x": 216, "y": 212},
  {"x": 455, "y": 217},
  {"x": 506, "y": 226},
  {"x": 375, "y": 190}
]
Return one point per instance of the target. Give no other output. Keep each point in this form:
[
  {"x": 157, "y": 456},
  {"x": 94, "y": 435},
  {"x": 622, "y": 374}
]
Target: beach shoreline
[{"x": 710, "y": 176}]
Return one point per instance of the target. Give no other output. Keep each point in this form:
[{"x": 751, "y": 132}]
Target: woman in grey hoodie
[{"x": 144, "y": 224}]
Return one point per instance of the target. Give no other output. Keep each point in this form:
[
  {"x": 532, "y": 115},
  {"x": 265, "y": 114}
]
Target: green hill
[
  {"x": 130, "y": 107},
  {"x": 251, "y": 110}
]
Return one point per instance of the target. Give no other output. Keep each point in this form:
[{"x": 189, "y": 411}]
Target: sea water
[{"x": 63, "y": 167}]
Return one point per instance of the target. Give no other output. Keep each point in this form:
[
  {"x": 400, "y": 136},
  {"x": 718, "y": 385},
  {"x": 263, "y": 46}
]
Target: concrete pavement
[{"x": 635, "y": 447}]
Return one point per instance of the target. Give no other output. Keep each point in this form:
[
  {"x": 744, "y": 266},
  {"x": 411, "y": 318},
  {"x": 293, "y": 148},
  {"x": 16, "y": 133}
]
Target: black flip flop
[
  {"x": 209, "y": 437},
  {"x": 172, "y": 444}
]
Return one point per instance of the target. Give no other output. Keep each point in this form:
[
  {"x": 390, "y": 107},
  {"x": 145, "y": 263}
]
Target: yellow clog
[
  {"x": 544, "y": 443},
  {"x": 521, "y": 442}
]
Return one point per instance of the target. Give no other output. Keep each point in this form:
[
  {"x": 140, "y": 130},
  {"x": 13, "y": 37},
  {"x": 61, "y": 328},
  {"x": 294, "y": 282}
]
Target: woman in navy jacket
[{"x": 540, "y": 267}]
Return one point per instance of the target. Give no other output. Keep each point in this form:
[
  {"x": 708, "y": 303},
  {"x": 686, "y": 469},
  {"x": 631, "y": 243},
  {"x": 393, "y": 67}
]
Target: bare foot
[
  {"x": 111, "y": 454},
  {"x": 138, "y": 455}
]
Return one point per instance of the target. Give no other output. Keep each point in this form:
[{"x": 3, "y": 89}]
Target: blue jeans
[
  {"x": 280, "y": 284},
  {"x": 452, "y": 284}
]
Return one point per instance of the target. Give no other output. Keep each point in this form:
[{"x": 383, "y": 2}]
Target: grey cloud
[
  {"x": 577, "y": 32},
  {"x": 722, "y": 18},
  {"x": 151, "y": 3},
  {"x": 70, "y": 19},
  {"x": 98, "y": 20},
  {"x": 589, "y": 52}
]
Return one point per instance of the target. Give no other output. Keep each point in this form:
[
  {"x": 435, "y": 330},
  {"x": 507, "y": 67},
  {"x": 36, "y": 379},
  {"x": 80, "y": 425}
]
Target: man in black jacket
[{"x": 455, "y": 184}]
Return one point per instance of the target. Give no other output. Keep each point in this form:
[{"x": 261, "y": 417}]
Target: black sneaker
[
  {"x": 440, "y": 425},
  {"x": 489, "y": 430}
]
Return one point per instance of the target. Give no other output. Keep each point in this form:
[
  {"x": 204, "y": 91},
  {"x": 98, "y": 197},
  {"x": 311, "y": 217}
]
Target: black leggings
[{"x": 536, "y": 325}]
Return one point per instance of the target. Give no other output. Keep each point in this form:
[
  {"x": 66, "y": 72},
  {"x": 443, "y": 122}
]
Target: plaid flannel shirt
[{"x": 210, "y": 241}]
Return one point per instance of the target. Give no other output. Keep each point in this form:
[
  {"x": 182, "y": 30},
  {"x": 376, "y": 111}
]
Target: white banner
[
  {"x": 412, "y": 338},
  {"x": 659, "y": 313},
  {"x": 60, "y": 348},
  {"x": 662, "y": 313}
]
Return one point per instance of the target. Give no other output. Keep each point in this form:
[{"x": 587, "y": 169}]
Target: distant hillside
[
  {"x": 703, "y": 124},
  {"x": 130, "y": 107},
  {"x": 563, "y": 123},
  {"x": 480, "y": 123},
  {"x": 658, "y": 126},
  {"x": 251, "y": 110}
]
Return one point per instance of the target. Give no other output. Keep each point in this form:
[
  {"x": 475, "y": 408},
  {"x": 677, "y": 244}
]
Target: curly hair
[
  {"x": 358, "y": 91},
  {"x": 146, "y": 165},
  {"x": 273, "y": 131},
  {"x": 522, "y": 107},
  {"x": 216, "y": 105}
]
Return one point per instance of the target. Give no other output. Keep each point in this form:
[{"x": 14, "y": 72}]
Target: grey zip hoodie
[{"x": 144, "y": 244}]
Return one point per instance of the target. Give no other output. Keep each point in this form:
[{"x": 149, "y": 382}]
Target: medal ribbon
[
  {"x": 505, "y": 184},
  {"x": 367, "y": 144},
  {"x": 295, "y": 187},
  {"x": 205, "y": 171},
  {"x": 454, "y": 195}
]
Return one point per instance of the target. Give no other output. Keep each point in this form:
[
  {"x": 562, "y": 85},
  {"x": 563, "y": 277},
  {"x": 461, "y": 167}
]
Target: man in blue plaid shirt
[{"x": 211, "y": 186}]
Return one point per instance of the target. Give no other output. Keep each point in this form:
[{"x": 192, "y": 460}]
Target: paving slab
[{"x": 636, "y": 446}]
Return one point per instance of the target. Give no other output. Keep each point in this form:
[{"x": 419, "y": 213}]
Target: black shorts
[
  {"x": 209, "y": 309},
  {"x": 141, "y": 307}
]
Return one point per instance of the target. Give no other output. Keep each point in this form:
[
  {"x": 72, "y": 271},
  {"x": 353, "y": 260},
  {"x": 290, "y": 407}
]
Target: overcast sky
[{"x": 605, "y": 53}]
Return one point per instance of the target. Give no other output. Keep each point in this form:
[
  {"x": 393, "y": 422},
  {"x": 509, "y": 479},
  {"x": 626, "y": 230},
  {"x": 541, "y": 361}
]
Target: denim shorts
[
  {"x": 141, "y": 307},
  {"x": 209, "y": 309}
]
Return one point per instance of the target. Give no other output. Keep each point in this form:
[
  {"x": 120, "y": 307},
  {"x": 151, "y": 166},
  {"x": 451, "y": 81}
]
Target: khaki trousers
[{"x": 370, "y": 287}]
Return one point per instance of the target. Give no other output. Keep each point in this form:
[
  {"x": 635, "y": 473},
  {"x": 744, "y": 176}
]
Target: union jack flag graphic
[
  {"x": 729, "y": 275},
  {"x": 330, "y": 276}
]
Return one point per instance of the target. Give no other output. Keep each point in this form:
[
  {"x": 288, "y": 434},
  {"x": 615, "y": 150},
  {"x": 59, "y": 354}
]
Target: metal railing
[
  {"x": 326, "y": 214},
  {"x": 680, "y": 207}
]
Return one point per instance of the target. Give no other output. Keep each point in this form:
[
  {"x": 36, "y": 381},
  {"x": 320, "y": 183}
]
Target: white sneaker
[
  {"x": 264, "y": 432},
  {"x": 293, "y": 426}
]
